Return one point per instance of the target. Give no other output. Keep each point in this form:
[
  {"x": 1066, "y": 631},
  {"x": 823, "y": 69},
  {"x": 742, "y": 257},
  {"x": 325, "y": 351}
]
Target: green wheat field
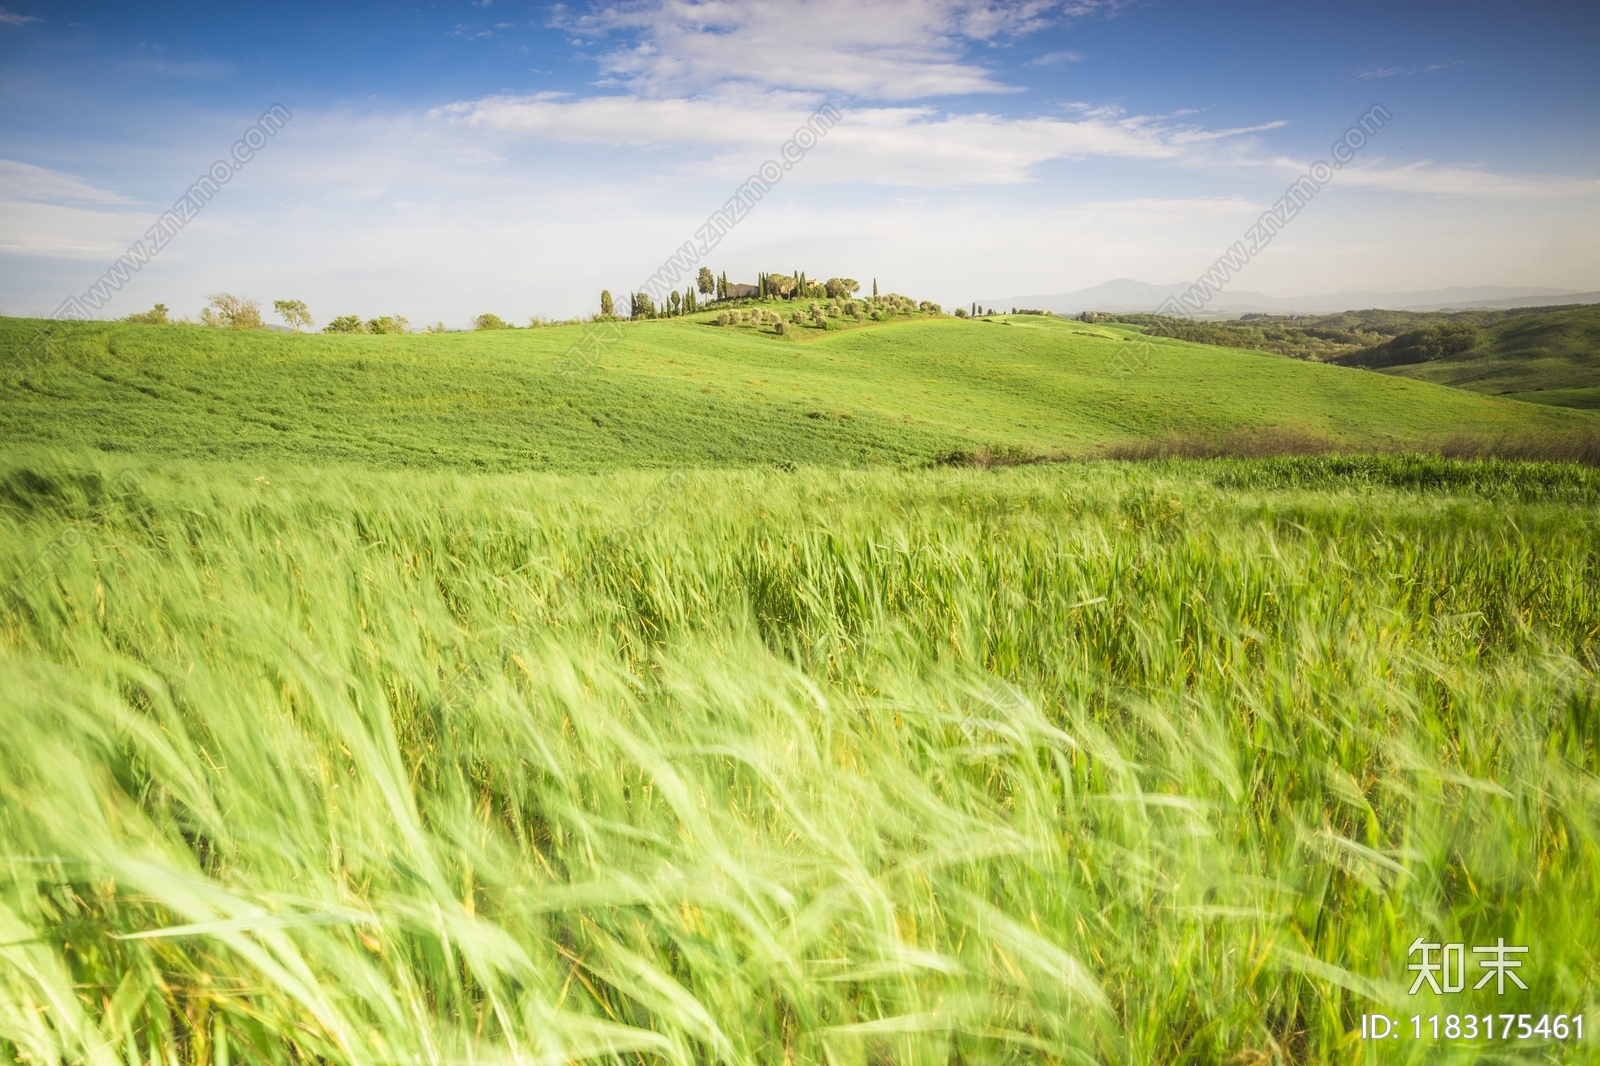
[{"x": 627, "y": 743}]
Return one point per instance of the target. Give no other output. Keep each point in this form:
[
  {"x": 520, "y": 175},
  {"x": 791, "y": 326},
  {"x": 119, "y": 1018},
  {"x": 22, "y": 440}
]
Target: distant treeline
[{"x": 1375, "y": 338}]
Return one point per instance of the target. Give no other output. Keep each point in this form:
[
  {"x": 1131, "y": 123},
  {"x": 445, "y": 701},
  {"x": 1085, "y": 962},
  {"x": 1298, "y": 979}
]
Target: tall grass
[{"x": 1059, "y": 764}]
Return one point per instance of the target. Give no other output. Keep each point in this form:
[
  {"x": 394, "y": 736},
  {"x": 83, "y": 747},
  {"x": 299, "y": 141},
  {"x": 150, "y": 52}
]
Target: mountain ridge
[{"x": 1128, "y": 296}]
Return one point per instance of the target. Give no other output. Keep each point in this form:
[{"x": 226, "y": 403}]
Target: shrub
[
  {"x": 961, "y": 312},
  {"x": 345, "y": 324},
  {"x": 724, "y": 318},
  {"x": 156, "y": 316},
  {"x": 779, "y": 328},
  {"x": 388, "y": 324},
  {"x": 488, "y": 321}
]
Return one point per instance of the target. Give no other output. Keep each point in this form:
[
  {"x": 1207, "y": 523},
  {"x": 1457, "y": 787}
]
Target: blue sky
[{"x": 450, "y": 158}]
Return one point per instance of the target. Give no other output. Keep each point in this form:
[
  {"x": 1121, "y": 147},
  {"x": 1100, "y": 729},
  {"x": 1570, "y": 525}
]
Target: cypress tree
[{"x": 874, "y": 288}]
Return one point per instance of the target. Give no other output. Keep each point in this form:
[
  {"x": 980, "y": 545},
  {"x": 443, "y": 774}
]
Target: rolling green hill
[
  {"x": 686, "y": 392},
  {"x": 1551, "y": 358}
]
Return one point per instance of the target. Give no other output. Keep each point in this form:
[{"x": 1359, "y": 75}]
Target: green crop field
[
  {"x": 415, "y": 699},
  {"x": 1107, "y": 762},
  {"x": 683, "y": 392}
]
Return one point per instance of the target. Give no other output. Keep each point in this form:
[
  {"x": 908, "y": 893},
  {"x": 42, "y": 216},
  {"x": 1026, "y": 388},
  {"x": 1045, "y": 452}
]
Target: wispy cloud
[
  {"x": 881, "y": 145},
  {"x": 24, "y": 181},
  {"x": 48, "y": 212},
  {"x": 11, "y": 18},
  {"x": 1051, "y": 59},
  {"x": 1396, "y": 72},
  {"x": 875, "y": 49},
  {"x": 1426, "y": 176}
]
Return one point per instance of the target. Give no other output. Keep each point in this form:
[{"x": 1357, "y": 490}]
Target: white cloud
[
  {"x": 24, "y": 181},
  {"x": 1425, "y": 176},
  {"x": 66, "y": 232},
  {"x": 11, "y": 18},
  {"x": 1449, "y": 179},
  {"x": 1421, "y": 68},
  {"x": 1050, "y": 59},
  {"x": 876, "y": 49},
  {"x": 50, "y": 213},
  {"x": 883, "y": 145}
]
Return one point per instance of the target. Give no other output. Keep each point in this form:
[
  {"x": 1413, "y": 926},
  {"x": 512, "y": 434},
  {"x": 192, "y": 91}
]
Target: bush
[
  {"x": 156, "y": 316},
  {"x": 488, "y": 321},
  {"x": 345, "y": 324},
  {"x": 724, "y": 318},
  {"x": 388, "y": 324},
  {"x": 779, "y": 328}
]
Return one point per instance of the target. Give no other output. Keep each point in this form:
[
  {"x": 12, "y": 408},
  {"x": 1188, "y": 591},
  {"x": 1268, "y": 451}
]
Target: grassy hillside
[
  {"x": 1551, "y": 358},
  {"x": 1089, "y": 763},
  {"x": 685, "y": 392}
]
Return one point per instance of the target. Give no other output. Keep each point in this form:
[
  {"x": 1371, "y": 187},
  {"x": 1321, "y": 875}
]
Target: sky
[{"x": 447, "y": 159}]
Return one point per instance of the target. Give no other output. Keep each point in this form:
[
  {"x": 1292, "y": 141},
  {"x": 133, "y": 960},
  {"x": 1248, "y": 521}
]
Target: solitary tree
[
  {"x": 605, "y": 302},
  {"x": 293, "y": 312},
  {"x": 705, "y": 282},
  {"x": 231, "y": 312}
]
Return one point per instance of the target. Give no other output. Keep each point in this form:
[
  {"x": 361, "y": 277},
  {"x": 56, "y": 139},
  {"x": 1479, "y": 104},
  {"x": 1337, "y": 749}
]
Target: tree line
[{"x": 711, "y": 289}]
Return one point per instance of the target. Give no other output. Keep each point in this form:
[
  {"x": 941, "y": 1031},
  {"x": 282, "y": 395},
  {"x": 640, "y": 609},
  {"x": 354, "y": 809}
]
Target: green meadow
[
  {"x": 684, "y": 392},
  {"x": 432, "y": 699}
]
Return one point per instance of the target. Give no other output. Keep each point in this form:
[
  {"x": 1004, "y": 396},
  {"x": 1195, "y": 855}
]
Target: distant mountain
[{"x": 1126, "y": 296}]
